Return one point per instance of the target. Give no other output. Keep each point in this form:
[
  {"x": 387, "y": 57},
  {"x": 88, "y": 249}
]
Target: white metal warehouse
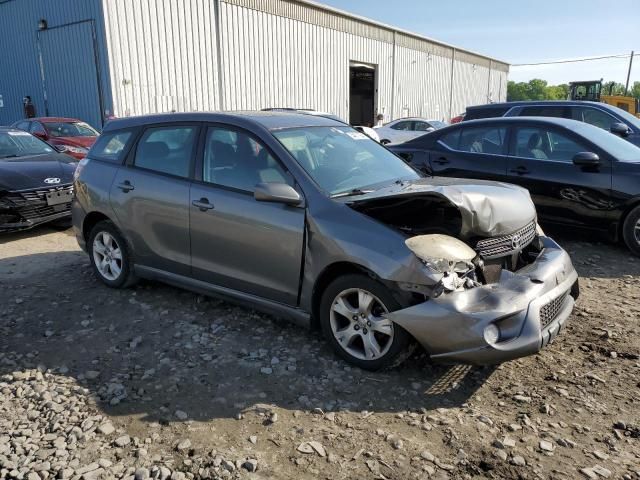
[{"x": 164, "y": 55}]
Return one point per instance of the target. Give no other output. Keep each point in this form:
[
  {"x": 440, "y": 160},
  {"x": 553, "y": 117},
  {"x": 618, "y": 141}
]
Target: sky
[{"x": 524, "y": 31}]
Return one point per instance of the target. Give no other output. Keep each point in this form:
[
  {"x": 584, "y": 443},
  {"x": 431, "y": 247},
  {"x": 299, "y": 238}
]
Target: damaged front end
[{"x": 495, "y": 288}]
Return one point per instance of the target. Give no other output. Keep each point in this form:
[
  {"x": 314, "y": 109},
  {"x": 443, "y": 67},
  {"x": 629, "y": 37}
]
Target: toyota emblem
[
  {"x": 515, "y": 242},
  {"x": 52, "y": 180}
]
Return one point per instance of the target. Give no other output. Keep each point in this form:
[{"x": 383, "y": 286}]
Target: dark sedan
[
  {"x": 35, "y": 181},
  {"x": 578, "y": 175}
]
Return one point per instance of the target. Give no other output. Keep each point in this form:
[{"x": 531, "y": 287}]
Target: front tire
[
  {"x": 631, "y": 231},
  {"x": 110, "y": 256},
  {"x": 353, "y": 312}
]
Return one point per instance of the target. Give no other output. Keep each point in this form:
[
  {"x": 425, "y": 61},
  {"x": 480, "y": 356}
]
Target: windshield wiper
[
  {"x": 351, "y": 193},
  {"x": 9, "y": 156}
]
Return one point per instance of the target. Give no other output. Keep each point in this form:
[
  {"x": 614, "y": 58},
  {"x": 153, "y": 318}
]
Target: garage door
[{"x": 70, "y": 75}]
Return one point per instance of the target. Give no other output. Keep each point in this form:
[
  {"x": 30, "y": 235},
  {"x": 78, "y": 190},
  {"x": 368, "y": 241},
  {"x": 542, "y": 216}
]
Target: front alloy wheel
[
  {"x": 353, "y": 316},
  {"x": 107, "y": 256},
  {"x": 359, "y": 325}
]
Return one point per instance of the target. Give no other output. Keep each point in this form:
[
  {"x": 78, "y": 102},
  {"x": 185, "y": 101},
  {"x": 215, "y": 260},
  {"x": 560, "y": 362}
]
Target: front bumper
[
  {"x": 530, "y": 307},
  {"x": 25, "y": 209}
]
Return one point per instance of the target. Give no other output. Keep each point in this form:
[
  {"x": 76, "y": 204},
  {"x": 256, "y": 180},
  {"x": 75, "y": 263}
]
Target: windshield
[
  {"x": 341, "y": 159},
  {"x": 620, "y": 149},
  {"x": 21, "y": 144},
  {"x": 70, "y": 129},
  {"x": 635, "y": 121}
]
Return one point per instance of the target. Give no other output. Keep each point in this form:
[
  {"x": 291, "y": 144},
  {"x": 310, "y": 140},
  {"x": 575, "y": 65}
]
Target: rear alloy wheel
[
  {"x": 354, "y": 319},
  {"x": 631, "y": 231},
  {"x": 109, "y": 256}
]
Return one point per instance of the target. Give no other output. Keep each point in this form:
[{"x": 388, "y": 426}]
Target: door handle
[
  {"x": 520, "y": 170},
  {"x": 126, "y": 186},
  {"x": 441, "y": 161},
  {"x": 203, "y": 204}
]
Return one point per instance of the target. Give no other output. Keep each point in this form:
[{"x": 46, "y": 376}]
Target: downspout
[
  {"x": 393, "y": 77},
  {"x": 453, "y": 58},
  {"x": 216, "y": 13},
  {"x": 489, "y": 83}
]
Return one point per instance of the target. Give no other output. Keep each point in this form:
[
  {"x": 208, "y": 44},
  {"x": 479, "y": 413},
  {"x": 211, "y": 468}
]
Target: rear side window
[
  {"x": 451, "y": 139},
  {"x": 167, "y": 150},
  {"x": 110, "y": 146},
  {"x": 488, "y": 112},
  {"x": 489, "y": 140},
  {"x": 543, "y": 111}
]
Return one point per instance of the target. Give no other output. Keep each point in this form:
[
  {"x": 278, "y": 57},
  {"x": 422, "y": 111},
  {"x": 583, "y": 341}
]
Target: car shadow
[{"x": 154, "y": 350}]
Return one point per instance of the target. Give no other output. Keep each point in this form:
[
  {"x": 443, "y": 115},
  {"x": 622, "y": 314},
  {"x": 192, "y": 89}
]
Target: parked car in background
[
  {"x": 368, "y": 131},
  {"x": 457, "y": 119},
  {"x": 607, "y": 117},
  {"x": 68, "y": 135},
  {"x": 578, "y": 175},
  {"x": 404, "y": 129},
  {"x": 35, "y": 181},
  {"x": 308, "y": 218}
]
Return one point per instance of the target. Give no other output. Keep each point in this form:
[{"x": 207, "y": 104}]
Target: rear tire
[
  {"x": 631, "y": 231},
  {"x": 110, "y": 257},
  {"x": 352, "y": 318}
]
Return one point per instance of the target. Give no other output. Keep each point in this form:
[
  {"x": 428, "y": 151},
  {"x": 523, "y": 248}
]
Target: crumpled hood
[
  {"x": 487, "y": 208},
  {"x": 30, "y": 172}
]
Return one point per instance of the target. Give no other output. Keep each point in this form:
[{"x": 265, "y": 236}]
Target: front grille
[
  {"x": 501, "y": 246},
  {"x": 32, "y": 204},
  {"x": 550, "y": 310}
]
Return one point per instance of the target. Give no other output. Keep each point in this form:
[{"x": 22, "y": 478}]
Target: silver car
[{"x": 305, "y": 217}]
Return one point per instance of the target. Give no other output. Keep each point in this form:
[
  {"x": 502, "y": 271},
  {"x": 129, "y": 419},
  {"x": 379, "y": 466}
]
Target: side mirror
[
  {"x": 620, "y": 129},
  {"x": 586, "y": 159},
  {"x": 277, "y": 193}
]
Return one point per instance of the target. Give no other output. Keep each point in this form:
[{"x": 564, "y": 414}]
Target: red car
[{"x": 68, "y": 135}]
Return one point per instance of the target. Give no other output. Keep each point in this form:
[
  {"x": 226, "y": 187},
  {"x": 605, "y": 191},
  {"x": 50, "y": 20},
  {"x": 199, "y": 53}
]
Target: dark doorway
[{"x": 362, "y": 89}]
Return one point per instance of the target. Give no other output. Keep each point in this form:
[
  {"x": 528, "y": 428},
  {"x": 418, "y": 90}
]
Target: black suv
[{"x": 601, "y": 115}]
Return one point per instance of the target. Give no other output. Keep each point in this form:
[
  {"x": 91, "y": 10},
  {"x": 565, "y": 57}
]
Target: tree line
[{"x": 537, "y": 89}]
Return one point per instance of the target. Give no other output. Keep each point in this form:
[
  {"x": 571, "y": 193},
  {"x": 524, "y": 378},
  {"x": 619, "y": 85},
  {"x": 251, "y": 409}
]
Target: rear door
[
  {"x": 150, "y": 196},
  {"x": 541, "y": 160},
  {"x": 472, "y": 152},
  {"x": 237, "y": 242}
]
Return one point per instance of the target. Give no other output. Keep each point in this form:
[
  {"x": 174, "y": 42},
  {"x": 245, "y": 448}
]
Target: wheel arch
[
  {"x": 632, "y": 204},
  {"x": 90, "y": 221}
]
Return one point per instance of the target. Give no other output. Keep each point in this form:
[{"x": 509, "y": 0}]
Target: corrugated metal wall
[
  {"x": 162, "y": 55},
  {"x": 19, "y": 61},
  {"x": 279, "y": 53}
]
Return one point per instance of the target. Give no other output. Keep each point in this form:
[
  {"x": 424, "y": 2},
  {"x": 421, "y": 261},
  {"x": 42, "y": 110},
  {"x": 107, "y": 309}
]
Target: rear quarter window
[{"x": 111, "y": 146}]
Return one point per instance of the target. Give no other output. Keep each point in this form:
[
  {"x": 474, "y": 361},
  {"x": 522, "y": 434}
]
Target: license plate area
[{"x": 59, "y": 198}]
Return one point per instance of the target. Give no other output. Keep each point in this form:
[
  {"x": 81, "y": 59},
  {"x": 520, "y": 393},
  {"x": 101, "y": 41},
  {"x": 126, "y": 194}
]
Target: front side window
[
  {"x": 70, "y": 129},
  {"x": 167, "y": 150},
  {"x": 17, "y": 143},
  {"x": 594, "y": 117},
  {"x": 234, "y": 159},
  {"x": 341, "y": 159},
  {"x": 422, "y": 127},
  {"x": 401, "y": 126},
  {"x": 546, "y": 144},
  {"x": 489, "y": 140},
  {"x": 110, "y": 146}
]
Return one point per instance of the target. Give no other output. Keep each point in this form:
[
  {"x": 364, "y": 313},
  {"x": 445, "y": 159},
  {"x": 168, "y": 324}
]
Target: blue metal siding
[{"x": 20, "y": 72}]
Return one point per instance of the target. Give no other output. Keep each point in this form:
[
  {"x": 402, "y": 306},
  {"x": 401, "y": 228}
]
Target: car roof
[
  {"x": 10, "y": 129},
  {"x": 51, "y": 119},
  {"x": 561, "y": 122},
  {"x": 267, "y": 119},
  {"x": 422, "y": 119},
  {"x": 519, "y": 103}
]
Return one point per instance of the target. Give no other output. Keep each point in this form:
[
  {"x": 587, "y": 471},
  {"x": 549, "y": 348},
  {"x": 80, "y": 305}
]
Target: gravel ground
[{"x": 155, "y": 382}]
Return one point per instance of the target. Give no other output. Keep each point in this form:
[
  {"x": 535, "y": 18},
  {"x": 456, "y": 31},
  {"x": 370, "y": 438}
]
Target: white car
[{"x": 405, "y": 129}]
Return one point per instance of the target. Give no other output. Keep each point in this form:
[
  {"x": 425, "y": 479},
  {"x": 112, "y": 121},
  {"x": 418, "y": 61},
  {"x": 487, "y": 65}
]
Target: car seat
[{"x": 534, "y": 147}]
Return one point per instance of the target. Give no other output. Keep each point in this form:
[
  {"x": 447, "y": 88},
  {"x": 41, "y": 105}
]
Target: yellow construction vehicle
[{"x": 592, "y": 90}]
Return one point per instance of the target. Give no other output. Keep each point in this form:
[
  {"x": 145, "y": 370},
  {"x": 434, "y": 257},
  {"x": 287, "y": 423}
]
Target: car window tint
[
  {"x": 166, "y": 150},
  {"x": 543, "y": 111},
  {"x": 110, "y": 146},
  {"x": 546, "y": 144},
  {"x": 23, "y": 126},
  {"x": 36, "y": 127},
  {"x": 402, "y": 126},
  {"x": 593, "y": 116},
  {"x": 234, "y": 159},
  {"x": 422, "y": 126},
  {"x": 482, "y": 140},
  {"x": 451, "y": 139}
]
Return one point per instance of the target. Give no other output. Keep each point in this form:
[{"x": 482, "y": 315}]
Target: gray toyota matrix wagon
[{"x": 307, "y": 218}]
